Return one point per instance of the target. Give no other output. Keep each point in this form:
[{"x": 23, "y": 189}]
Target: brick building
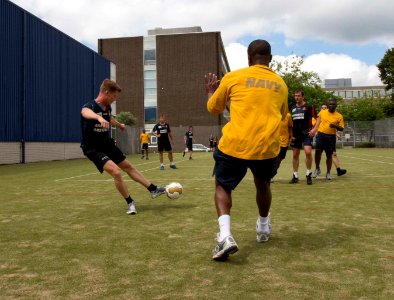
[{"x": 163, "y": 72}]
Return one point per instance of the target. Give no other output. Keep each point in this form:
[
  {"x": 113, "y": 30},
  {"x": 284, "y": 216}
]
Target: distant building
[
  {"x": 343, "y": 88},
  {"x": 338, "y": 83},
  {"x": 163, "y": 72}
]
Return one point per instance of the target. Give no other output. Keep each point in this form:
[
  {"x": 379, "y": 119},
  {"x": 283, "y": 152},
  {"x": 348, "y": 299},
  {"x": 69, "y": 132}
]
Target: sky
[{"x": 337, "y": 38}]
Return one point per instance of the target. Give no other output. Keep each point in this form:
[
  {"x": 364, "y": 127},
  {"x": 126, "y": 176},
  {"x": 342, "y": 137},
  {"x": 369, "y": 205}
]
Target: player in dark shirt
[
  {"x": 302, "y": 114},
  {"x": 165, "y": 141},
  {"x": 100, "y": 148},
  {"x": 188, "y": 139}
]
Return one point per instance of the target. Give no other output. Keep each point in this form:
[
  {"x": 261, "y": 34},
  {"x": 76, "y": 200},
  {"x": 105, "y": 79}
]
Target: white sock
[
  {"x": 295, "y": 174},
  {"x": 224, "y": 225},
  {"x": 308, "y": 172},
  {"x": 162, "y": 165},
  {"x": 171, "y": 163},
  {"x": 263, "y": 220}
]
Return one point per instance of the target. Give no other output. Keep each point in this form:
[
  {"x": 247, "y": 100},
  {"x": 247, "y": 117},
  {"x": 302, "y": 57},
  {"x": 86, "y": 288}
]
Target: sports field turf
[{"x": 64, "y": 234}]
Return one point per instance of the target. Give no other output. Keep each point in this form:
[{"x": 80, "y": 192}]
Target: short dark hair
[
  {"x": 299, "y": 91},
  {"x": 259, "y": 48}
]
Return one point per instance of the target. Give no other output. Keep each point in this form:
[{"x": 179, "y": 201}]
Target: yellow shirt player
[
  {"x": 285, "y": 131},
  {"x": 258, "y": 103},
  {"x": 327, "y": 123},
  {"x": 257, "y": 97},
  {"x": 285, "y": 135},
  {"x": 144, "y": 140}
]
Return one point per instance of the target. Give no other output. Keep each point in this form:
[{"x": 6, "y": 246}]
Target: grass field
[{"x": 64, "y": 234}]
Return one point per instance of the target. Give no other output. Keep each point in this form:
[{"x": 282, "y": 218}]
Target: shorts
[
  {"x": 100, "y": 155},
  {"x": 282, "y": 153},
  {"x": 302, "y": 141},
  {"x": 145, "y": 146},
  {"x": 326, "y": 142},
  {"x": 164, "y": 146},
  {"x": 189, "y": 146},
  {"x": 229, "y": 171}
]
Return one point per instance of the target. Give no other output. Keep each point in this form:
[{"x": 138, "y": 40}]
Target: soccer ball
[{"x": 174, "y": 190}]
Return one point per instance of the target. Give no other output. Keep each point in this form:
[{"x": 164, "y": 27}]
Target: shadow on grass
[{"x": 296, "y": 242}]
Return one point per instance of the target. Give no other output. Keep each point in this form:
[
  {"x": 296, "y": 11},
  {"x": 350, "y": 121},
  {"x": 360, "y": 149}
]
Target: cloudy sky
[{"x": 338, "y": 38}]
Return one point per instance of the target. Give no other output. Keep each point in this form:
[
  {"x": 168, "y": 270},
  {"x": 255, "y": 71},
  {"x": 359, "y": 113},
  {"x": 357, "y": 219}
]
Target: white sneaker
[
  {"x": 328, "y": 176},
  {"x": 316, "y": 173},
  {"x": 131, "y": 210},
  {"x": 224, "y": 248},
  {"x": 263, "y": 231}
]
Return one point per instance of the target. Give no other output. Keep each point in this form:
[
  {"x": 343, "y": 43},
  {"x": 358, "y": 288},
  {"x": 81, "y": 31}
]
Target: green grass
[{"x": 64, "y": 234}]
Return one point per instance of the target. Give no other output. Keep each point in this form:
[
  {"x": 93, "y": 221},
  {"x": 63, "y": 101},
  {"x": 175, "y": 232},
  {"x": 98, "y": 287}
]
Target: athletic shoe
[
  {"x": 294, "y": 180},
  {"x": 183, "y": 154},
  {"x": 147, "y": 158},
  {"x": 142, "y": 157},
  {"x": 162, "y": 168},
  {"x": 173, "y": 166},
  {"x": 328, "y": 176},
  {"x": 341, "y": 172},
  {"x": 131, "y": 210},
  {"x": 224, "y": 248},
  {"x": 159, "y": 191},
  {"x": 316, "y": 173},
  {"x": 263, "y": 231},
  {"x": 309, "y": 179},
  {"x": 190, "y": 158}
]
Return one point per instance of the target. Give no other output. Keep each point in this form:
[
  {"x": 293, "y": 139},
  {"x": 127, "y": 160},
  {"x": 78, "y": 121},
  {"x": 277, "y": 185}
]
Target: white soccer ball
[{"x": 174, "y": 190}]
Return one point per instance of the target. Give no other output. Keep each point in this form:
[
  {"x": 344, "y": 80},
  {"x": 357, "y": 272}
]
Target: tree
[
  {"x": 126, "y": 118},
  {"x": 386, "y": 69},
  {"x": 366, "y": 109},
  {"x": 296, "y": 79}
]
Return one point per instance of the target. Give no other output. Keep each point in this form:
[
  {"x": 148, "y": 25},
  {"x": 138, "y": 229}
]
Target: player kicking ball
[{"x": 96, "y": 121}]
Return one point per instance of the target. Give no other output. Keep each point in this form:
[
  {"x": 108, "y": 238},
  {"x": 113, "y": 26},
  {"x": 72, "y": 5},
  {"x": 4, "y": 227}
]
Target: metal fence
[{"x": 368, "y": 134}]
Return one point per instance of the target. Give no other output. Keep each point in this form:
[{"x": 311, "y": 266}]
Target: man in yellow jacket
[{"x": 258, "y": 102}]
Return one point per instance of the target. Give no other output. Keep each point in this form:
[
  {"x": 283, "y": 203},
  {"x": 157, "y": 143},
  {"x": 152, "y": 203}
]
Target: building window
[
  {"x": 150, "y": 115},
  {"x": 150, "y": 57}
]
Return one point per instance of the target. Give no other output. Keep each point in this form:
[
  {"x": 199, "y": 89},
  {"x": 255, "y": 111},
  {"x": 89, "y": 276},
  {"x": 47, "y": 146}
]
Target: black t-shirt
[
  {"x": 302, "y": 118},
  {"x": 189, "y": 137},
  {"x": 162, "y": 129},
  {"x": 93, "y": 134}
]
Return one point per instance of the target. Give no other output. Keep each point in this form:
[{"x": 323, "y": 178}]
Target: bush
[
  {"x": 366, "y": 145},
  {"x": 126, "y": 118}
]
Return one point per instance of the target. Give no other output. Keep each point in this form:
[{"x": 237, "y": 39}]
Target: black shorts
[
  {"x": 100, "y": 155},
  {"x": 189, "y": 146},
  {"x": 164, "y": 146},
  {"x": 302, "y": 141},
  {"x": 326, "y": 142},
  {"x": 229, "y": 171},
  {"x": 145, "y": 146},
  {"x": 282, "y": 153}
]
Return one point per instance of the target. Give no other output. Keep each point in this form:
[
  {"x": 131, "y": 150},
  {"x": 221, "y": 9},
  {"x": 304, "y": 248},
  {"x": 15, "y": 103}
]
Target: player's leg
[
  {"x": 190, "y": 150},
  {"x": 170, "y": 155},
  {"x": 228, "y": 173},
  {"x": 328, "y": 164},
  {"x": 133, "y": 173},
  {"x": 335, "y": 160},
  {"x": 111, "y": 168},
  {"x": 262, "y": 172},
  {"x": 137, "y": 176},
  {"x": 147, "y": 151},
  {"x": 296, "y": 161}
]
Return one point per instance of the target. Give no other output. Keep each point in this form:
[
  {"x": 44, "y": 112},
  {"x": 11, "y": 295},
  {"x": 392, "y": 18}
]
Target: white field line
[
  {"x": 370, "y": 160},
  {"x": 373, "y": 155},
  {"x": 157, "y": 165}
]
